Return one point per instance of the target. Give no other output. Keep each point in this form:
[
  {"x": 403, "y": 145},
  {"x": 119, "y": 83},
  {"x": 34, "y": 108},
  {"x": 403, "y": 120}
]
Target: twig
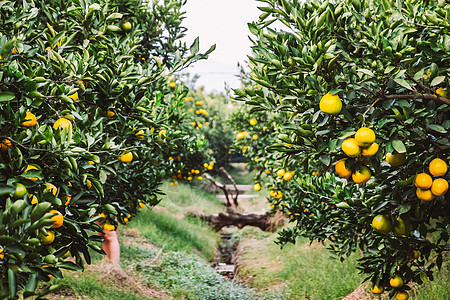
[
  {"x": 234, "y": 185},
  {"x": 220, "y": 186}
]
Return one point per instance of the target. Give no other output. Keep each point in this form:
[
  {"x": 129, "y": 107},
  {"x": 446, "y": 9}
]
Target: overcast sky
[{"x": 224, "y": 23}]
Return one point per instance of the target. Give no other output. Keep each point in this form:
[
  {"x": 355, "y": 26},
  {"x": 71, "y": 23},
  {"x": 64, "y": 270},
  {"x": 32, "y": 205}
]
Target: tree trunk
[{"x": 223, "y": 219}]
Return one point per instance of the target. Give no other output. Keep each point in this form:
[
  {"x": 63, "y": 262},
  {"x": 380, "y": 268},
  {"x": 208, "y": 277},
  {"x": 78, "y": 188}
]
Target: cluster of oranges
[
  {"x": 362, "y": 146},
  {"x": 427, "y": 188}
]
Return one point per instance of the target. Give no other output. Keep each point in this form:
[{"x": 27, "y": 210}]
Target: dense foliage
[
  {"x": 88, "y": 119},
  {"x": 378, "y": 65}
]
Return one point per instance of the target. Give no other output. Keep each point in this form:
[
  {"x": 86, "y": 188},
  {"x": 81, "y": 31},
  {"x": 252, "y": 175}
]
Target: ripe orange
[
  {"x": 34, "y": 199},
  {"x": 253, "y": 122},
  {"x": 257, "y": 187},
  {"x": 330, "y": 104},
  {"x": 88, "y": 184},
  {"x": 51, "y": 187},
  {"x": 255, "y": 137},
  {"x": 371, "y": 150},
  {"x": 423, "y": 181},
  {"x": 281, "y": 172},
  {"x": 341, "y": 170},
  {"x": 58, "y": 219},
  {"x": 47, "y": 239},
  {"x": 240, "y": 135},
  {"x": 362, "y": 175},
  {"x": 30, "y": 167},
  {"x": 377, "y": 289},
  {"x": 365, "y": 137},
  {"x": 415, "y": 254},
  {"x": 425, "y": 195},
  {"x": 74, "y": 96},
  {"x": 63, "y": 123},
  {"x": 396, "y": 159},
  {"x": 351, "y": 148},
  {"x": 438, "y": 167},
  {"x": 439, "y": 187},
  {"x": 2, "y": 251},
  {"x": 109, "y": 113},
  {"x": 141, "y": 205},
  {"x": 5, "y": 144},
  {"x": 288, "y": 176},
  {"x": 20, "y": 191},
  {"x": 126, "y": 157},
  {"x": 30, "y": 120},
  {"x": 109, "y": 227},
  {"x": 382, "y": 224},
  {"x": 140, "y": 134},
  {"x": 396, "y": 281},
  {"x": 68, "y": 198},
  {"x": 440, "y": 91},
  {"x": 402, "y": 295}
]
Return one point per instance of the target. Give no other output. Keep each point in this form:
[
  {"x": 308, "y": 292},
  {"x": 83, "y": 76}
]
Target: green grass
[
  {"x": 165, "y": 230},
  {"x": 182, "y": 198},
  {"x": 438, "y": 288},
  {"x": 306, "y": 272},
  {"x": 90, "y": 286},
  {"x": 186, "y": 276}
]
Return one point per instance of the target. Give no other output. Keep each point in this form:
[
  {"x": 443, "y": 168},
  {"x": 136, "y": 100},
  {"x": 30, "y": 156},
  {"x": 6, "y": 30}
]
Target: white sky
[{"x": 224, "y": 23}]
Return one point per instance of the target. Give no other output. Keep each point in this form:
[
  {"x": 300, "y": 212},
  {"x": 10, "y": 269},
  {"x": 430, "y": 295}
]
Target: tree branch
[{"x": 235, "y": 197}]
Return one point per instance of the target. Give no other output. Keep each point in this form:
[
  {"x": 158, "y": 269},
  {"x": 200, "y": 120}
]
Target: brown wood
[{"x": 240, "y": 220}]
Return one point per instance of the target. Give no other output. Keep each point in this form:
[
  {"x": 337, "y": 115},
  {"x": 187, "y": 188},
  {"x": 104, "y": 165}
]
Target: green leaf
[
  {"x": 70, "y": 266},
  {"x": 437, "y": 128},
  {"x": 253, "y": 28},
  {"x": 399, "y": 146},
  {"x": 6, "y": 189},
  {"x": 195, "y": 46},
  {"x": 437, "y": 80},
  {"x": 389, "y": 69},
  {"x": 6, "y": 97},
  {"x": 403, "y": 83},
  {"x": 367, "y": 72}
]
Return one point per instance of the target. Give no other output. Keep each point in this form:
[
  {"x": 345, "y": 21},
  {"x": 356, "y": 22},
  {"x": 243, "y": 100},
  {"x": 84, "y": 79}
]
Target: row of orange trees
[
  {"x": 88, "y": 119},
  {"x": 349, "y": 100}
]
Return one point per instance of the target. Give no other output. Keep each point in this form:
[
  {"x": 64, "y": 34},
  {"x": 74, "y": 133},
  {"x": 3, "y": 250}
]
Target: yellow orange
[
  {"x": 439, "y": 187},
  {"x": 341, "y": 170},
  {"x": 425, "y": 195},
  {"x": 396, "y": 281},
  {"x": 126, "y": 157},
  {"x": 437, "y": 167},
  {"x": 53, "y": 189},
  {"x": 362, "y": 175},
  {"x": 382, "y": 224},
  {"x": 402, "y": 295},
  {"x": 365, "y": 137},
  {"x": 58, "y": 219},
  {"x": 63, "y": 123},
  {"x": 30, "y": 167},
  {"x": 30, "y": 120},
  {"x": 281, "y": 172},
  {"x": 396, "y": 159},
  {"x": 351, "y": 148},
  {"x": 330, "y": 104},
  {"x": 371, "y": 150},
  {"x": 47, "y": 239},
  {"x": 377, "y": 289},
  {"x": 423, "y": 181},
  {"x": 5, "y": 144}
]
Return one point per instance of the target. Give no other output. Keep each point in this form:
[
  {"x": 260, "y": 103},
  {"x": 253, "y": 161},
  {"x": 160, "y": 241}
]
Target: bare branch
[{"x": 235, "y": 197}]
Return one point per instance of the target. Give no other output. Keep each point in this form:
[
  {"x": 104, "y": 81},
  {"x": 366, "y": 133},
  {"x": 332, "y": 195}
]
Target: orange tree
[
  {"x": 364, "y": 88},
  {"x": 88, "y": 116}
]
